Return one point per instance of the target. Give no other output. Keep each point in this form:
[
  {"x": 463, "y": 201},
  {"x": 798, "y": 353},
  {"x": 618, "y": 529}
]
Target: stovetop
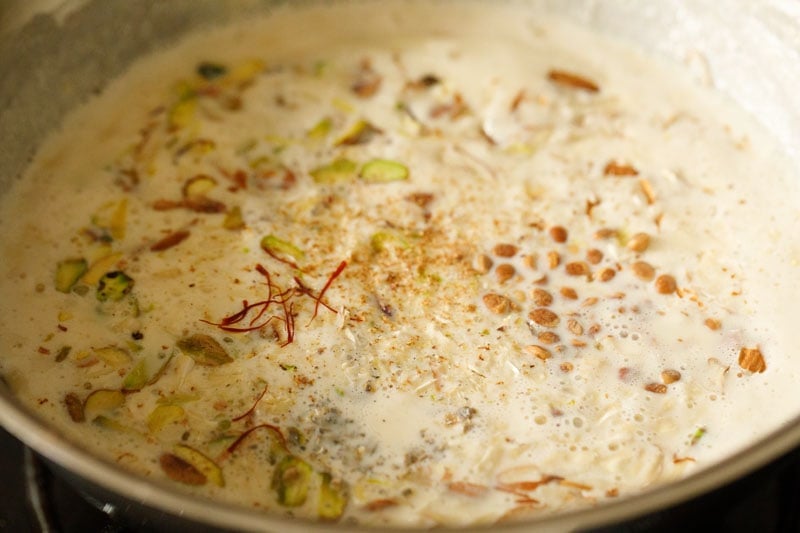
[{"x": 767, "y": 501}]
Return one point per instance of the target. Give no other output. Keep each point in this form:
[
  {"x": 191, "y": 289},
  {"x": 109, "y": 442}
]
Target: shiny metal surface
[{"x": 55, "y": 53}]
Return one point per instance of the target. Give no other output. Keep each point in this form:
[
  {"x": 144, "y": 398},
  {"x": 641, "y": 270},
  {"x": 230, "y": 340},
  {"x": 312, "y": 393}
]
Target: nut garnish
[
  {"x": 538, "y": 351},
  {"x": 605, "y": 233},
  {"x": 607, "y": 274},
  {"x": 497, "y": 303},
  {"x": 577, "y": 268},
  {"x": 751, "y": 359},
  {"x": 558, "y": 234},
  {"x": 544, "y": 317},
  {"x": 588, "y": 302},
  {"x": 529, "y": 261},
  {"x": 483, "y": 263},
  {"x": 639, "y": 242},
  {"x": 573, "y": 81},
  {"x": 505, "y": 250},
  {"x": 553, "y": 259},
  {"x": 541, "y": 297},
  {"x": 613, "y": 168},
  {"x": 670, "y": 376},
  {"x": 594, "y": 256},
  {"x": 643, "y": 270},
  {"x": 548, "y": 337},
  {"x": 504, "y": 272},
  {"x": 574, "y": 327},
  {"x": 658, "y": 388},
  {"x": 665, "y": 284},
  {"x": 648, "y": 191},
  {"x": 569, "y": 292},
  {"x": 566, "y": 367},
  {"x": 713, "y": 324}
]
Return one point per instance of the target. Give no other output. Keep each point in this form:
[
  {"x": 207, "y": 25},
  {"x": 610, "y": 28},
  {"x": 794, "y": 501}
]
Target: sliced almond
[
  {"x": 504, "y": 272},
  {"x": 644, "y": 271},
  {"x": 751, "y": 359},
  {"x": 670, "y": 376},
  {"x": 539, "y": 352},
  {"x": 665, "y": 284},
  {"x": 657, "y": 388},
  {"x": 613, "y": 168},
  {"x": 607, "y": 274},
  {"x": 713, "y": 324},
  {"x": 572, "y": 80},
  {"x": 483, "y": 263},
  {"x": 558, "y": 234},
  {"x": 544, "y": 317},
  {"x": 569, "y": 293},
  {"x": 594, "y": 256},
  {"x": 548, "y": 337},
  {"x": 639, "y": 242},
  {"x": 577, "y": 268},
  {"x": 505, "y": 250},
  {"x": 497, "y": 303},
  {"x": 574, "y": 327},
  {"x": 541, "y": 297},
  {"x": 553, "y": 259}
]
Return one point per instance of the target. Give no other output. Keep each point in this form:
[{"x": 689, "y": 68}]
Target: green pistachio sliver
[
  {"x": 136, "y": 378},
  {"x": 338, "y": 171},
  {"x": 332, "y": 499},
  {"x": 233, "y": 219},
  {"x": 383, "y": 171},
  {"x": 164, "y": 415},
  {"x": 113, "y": 355},
  {"x": 383, "y": 240},
  {"x": 359, "y": 133},
  {"x": 320, "y": 129},
  {"x": 291, "y": 480},
  {"x": 205, "y": 350},
  {"x": 203, "y": 464},
  {"x": 114, "y": 286},
  {"x": 102, "y": 401},
  {"x": 275, "y": 245},
  {"x": 68, "y": 272}
]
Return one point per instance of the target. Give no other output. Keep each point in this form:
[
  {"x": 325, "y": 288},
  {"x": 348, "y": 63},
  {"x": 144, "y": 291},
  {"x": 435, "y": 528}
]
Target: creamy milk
[{"x": 443, "y": 267}]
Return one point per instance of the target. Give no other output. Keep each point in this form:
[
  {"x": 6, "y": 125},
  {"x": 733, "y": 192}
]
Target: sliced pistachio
[
  {"x": 277, "y": 246},
  {"x": 109, "y": 423},
  {"x": 161, "y": 369},
  {"x": 332, "y": 498},
  {"x": 291, "y": 480},
  {"x": 233, "y": 219},
  {"x": 383, "y": 240},
  {"x": 203, "y": 464},
  {"x": 68, "y": 272},
  {"x": 205, "y": 350},
  {"x": 383, "y": 171},
  {"x": 179, "y": 470},
  {"x": 164, "y": 415},
  {"x": 112, "y": 216},
  {"x": 198, "y": 185},
  {"x": 136, "y": 378},
  {"x": 113, "y": 356},
  {"x": 74, "y": 407},
  {"x": 359, "y": 133},
  {"x": 320, "y": 129},
  {"x": 182, "y": 114},
  {"x": 99, "y": 267},
  {"x": 101, "y": 402},
  {"x": 114, "y": 286},
  {"x": 338, "y": 171}
]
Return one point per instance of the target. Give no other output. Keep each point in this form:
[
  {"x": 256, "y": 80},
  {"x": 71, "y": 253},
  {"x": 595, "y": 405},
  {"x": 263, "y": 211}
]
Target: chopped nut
[
  {"x": 529, "y": 261},
  {"x": 713, "y": 324},
  {"x": 594, "y": 256},
  {"x": 594, "y": 329},
  {"x": 497, "y": 303},
  {"x": 558, "y": 234},
  {"x": 639, "y": 242},
  {"x": 605, "y": 233},
  {"x": 538, "y": 351},
  {"x": 483, "y": 263},
  {"x": 541, "y": 297},
  {"x": 505, "y": 250},
  {"x": 553, "y": 259},
  {"x": 566, "y": 367},
  {"x": 548, "y": 337},
  {"x": 504, "y": 272},
  {"x": 571, "y": 80},
  {"x": 665, "y": 284},
  {"x": 577, "y": 268},
  {"x": 607, "y": 274},
  {"x": 613, "y": 168},
  {"x": 658, "y": 388},
  {"x": 588, "y": 302},
  {"x": 643, "y": 271},
  {"x": 670, "y": 376},
  {"x": 648, "y": 191},
  {"x": 751, "y": 359},
  {"x": 569, "y": 292},
  {"x": 574, "y": 327},
  {"x": 544, "y": 317},
  {"x": 578, "y": 343}
]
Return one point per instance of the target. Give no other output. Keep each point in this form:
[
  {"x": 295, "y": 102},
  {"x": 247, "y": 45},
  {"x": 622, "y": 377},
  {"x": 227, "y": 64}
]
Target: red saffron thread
[
  {"x": 232, "y": 448},
  {"x": 332, "y": 277},
  {"x": 253, "y": 408}
]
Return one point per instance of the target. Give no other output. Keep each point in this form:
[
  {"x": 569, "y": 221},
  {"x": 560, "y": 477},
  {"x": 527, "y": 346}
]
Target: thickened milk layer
[{"x": 404, "y": 264}]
